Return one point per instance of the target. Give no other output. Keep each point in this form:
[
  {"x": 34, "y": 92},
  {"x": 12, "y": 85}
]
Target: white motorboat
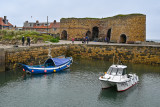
[{"x": 117, "y": 76}]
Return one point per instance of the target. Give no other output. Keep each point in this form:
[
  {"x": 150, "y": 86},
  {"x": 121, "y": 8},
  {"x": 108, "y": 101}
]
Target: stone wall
[
  {"x": 2, "y": 60},
  {"x": 37, "y": 55},
  {"x": 31, "y": 55},
  {"x": 132, "y": 54},
  {"x": 133, "y": 26}
]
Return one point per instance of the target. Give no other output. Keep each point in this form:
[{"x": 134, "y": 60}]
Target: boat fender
[
  {"x": 32, "y": 70},
  {"x": 54, "y": 70},
  {"x": 45, "y": 70}
]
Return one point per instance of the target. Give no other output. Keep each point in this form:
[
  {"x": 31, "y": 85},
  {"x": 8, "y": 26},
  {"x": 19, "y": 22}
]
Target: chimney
[
  {"x": 5, "y": 17},
  {"x": 37, "y": 21},
  {"x": 5, "y": 20},
  {"x": 54, "y": 21}
]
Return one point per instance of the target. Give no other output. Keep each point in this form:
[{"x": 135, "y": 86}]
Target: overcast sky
[{"x": 19, "y": 11}]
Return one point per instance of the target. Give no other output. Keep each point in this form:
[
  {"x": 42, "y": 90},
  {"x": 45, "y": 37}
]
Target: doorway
[
  {"x": 109, "y": 34},
  {"x": 95, "y": 32},
  {"x": 88, "y": 34},
  {"x": 64, "y": 35},
  {"x": 123, "y": 38}
]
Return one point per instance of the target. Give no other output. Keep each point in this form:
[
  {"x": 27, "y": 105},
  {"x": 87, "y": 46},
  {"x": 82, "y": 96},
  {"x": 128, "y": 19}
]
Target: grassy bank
[{"x": 8, "y": 35}]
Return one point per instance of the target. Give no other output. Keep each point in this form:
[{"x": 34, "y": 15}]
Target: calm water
[{"x": 79, "y": 87}]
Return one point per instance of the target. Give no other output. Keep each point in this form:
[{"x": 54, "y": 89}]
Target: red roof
[{"x": 3, "y": 24}]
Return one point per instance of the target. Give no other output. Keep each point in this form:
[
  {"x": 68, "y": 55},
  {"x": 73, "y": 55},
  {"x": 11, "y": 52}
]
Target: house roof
[
  {"x": 42, "y": 26},
  {"x": 3, "y": 24},
  {"x": 56, "y": 25}
]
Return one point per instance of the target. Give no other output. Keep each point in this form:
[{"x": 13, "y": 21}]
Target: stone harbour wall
[
  {"x": 132, "y": 54},
  {"x": 2, "y": 60},
  {"x": 38, "y": 54},
  {"x": 31, "y": 55}
]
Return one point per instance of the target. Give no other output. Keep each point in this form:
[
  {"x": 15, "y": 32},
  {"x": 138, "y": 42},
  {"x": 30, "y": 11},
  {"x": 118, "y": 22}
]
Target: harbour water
[
  {"x": 79, "y": 87},
  {"x": 154, "y": 40}
]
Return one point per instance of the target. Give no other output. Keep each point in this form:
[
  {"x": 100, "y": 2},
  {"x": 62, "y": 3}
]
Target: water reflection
[
  {"x": 111, "y": 93},
  {"x": 8, "y": 76}
]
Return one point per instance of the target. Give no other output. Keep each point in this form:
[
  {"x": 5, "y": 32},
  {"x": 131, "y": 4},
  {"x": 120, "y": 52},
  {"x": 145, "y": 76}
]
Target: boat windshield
[
  {"x": 112, "y": 71},
  {"x": 116, "y": 71},
  {"x": 109, "y": 70},
  {"x": 120, "y": 71}
]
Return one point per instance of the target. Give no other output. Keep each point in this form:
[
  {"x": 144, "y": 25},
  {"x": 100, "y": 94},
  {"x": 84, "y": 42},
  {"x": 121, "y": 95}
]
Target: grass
[
  {"x": 119, "y": 15},
  {"x": 17, "y": 35}
]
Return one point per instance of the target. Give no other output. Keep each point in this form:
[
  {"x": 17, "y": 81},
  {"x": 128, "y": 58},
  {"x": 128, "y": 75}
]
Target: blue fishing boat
[{"x": 51, "y": 65}]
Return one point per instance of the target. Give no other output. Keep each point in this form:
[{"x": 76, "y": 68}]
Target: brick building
[
  {"x": 120, "y": 28},
  {"x": 4, "y": 24}
]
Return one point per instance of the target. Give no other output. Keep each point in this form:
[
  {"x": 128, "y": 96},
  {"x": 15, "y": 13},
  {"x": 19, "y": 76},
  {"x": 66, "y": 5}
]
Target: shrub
[{"x": 54, "y": 40}]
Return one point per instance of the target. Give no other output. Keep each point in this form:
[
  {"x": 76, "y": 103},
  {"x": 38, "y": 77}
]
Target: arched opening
[
  {"x": 88, "y": 34},
  {"x": 123, "y": 38},
  {"x": 95, "y": 32},
  {"x": 109, "y": 35},
  {"x": 64, "y": 35}
]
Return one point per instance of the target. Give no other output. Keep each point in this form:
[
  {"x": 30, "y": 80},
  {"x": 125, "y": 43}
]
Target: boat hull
[
  {"x": 121, "y": 86},
  {"x": 128, "y": 84},
  {"x": 105, "y": 84},
  {"x": 41, "y": 69}
]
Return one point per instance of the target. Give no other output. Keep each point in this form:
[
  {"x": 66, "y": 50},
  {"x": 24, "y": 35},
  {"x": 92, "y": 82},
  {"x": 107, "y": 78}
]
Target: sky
[{"x": 19, "y": 11}]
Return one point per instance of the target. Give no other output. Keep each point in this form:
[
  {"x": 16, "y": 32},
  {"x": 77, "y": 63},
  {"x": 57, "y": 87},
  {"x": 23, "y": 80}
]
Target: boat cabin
[
  {"x": 49, "y": 62},
  {"x": 55, "y": 62},
  {"x": 117, "y": 70}
]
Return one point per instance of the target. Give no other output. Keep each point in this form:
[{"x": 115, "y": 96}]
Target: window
[
  {"x": 54, "y": 29},
  {"x": 114, "y": 71},
  {"x": 124, "y": 71},
  {"x": 31, "y": 24},
  {"x": 120, "y": 71},
  {"x": 109, "y": 70},
  {"x": 46, "y": 24}
]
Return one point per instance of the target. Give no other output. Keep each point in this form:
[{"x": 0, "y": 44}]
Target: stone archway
[
  {"x": 64, "y": 35},
  {"x": 95, "y": 33},
  {"x": 109, "y": 34},
  {"x": 89, "y": 34},
  {"x": 123, "y": 38}
]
